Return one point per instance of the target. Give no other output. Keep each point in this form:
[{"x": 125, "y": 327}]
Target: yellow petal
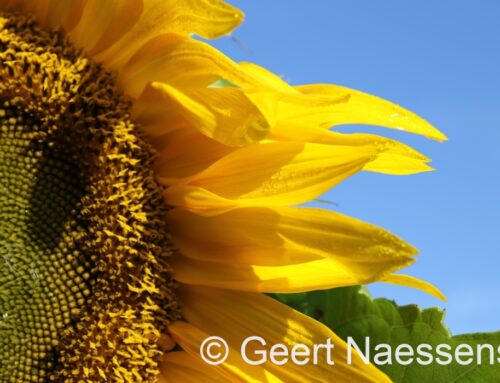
[
  {"x": 272, "y": 174},
  {"x": 267, "y": 78},
  {"x": 186, "y": 63},
  {"x": 286, "y": 235},
  {"x": 183, "y": 63},
  {"x": 314, "y": 275},
  {"x": 393, "y": 156},
  {"x": 50, "y": 13},
  {"x": 182, "y": 367},
  {"x": 227, "y": 115},
  {"x": 65, "y": 13},
  {"x": 251, "y": 314},
  {"x": 180, "y": 72},
  {"x": 23, "y": 5},
  {"x": 8, "y": 4},
  {"x": 180, "y": 62},
  {"x": 191, "y": 337},
  {"x": 104, "y": 22},
  {"x": 293, "y": 106},
  {"x": 363, "y": 108},
  {"x": 185, "y": 153},
  {"x": 156, "y": 119},
  {"x": 206, "y": 18},
  {"x": 397, "y": 164},
  {"x": 330, "y": 105},
  {"x": 286, "y": 250},
  {"x": 409, "y": 281}
]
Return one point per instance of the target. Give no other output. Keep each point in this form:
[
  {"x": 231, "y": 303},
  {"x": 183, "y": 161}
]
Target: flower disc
[{"x": 85, "y": 287}]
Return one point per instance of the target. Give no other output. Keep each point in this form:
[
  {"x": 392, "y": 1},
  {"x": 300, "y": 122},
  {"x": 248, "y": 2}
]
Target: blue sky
[{"x": 440, "y": 59}]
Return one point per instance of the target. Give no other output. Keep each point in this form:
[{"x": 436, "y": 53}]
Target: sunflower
[{"x": 147, "y": 184}]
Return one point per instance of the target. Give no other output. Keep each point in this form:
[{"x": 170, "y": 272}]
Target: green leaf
[{"x": 352, "y": 312}]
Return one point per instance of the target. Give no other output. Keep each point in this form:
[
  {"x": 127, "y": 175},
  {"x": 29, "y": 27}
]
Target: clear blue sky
[{"x": 440, "y": 59}]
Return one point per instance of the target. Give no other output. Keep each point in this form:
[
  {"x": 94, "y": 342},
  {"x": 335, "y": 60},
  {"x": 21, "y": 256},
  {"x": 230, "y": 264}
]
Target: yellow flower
[{"x": 146, "y": 184}]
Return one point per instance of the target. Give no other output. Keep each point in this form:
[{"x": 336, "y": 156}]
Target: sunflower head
[
  {"x": 145, "y": 184},
  {"x": 85, "y": 288}
]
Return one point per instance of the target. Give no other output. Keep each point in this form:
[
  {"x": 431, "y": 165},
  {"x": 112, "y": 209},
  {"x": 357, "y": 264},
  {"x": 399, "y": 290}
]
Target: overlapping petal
[
  {"x": 98, "y": 27},
  {"x": 286, "y": 250},
  {"x": 250, "y": 314},
  {"x": 320, "y": 274},
  {"x": 53, "y": 13},
  {"x": 326, "y": 105},
  {"x": 407, "y": 280},
  {"x": 364, "y": 108},
  {"x": 179, "y": 366},
  {"x": 393, "y": 156},
  {"x": 186, "y": 152},
  {"x": 188, "y": 67},
  {"x": 272, "y": 174},
  {"x": 191, "y": 337},
  {"x": 179, "y": 72},
  {"x": 227, "y": 115},
  {"x": 276, "y": 236},
  {"x": 181, "y": 62},
  {"x": 206, "y": 18}
]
